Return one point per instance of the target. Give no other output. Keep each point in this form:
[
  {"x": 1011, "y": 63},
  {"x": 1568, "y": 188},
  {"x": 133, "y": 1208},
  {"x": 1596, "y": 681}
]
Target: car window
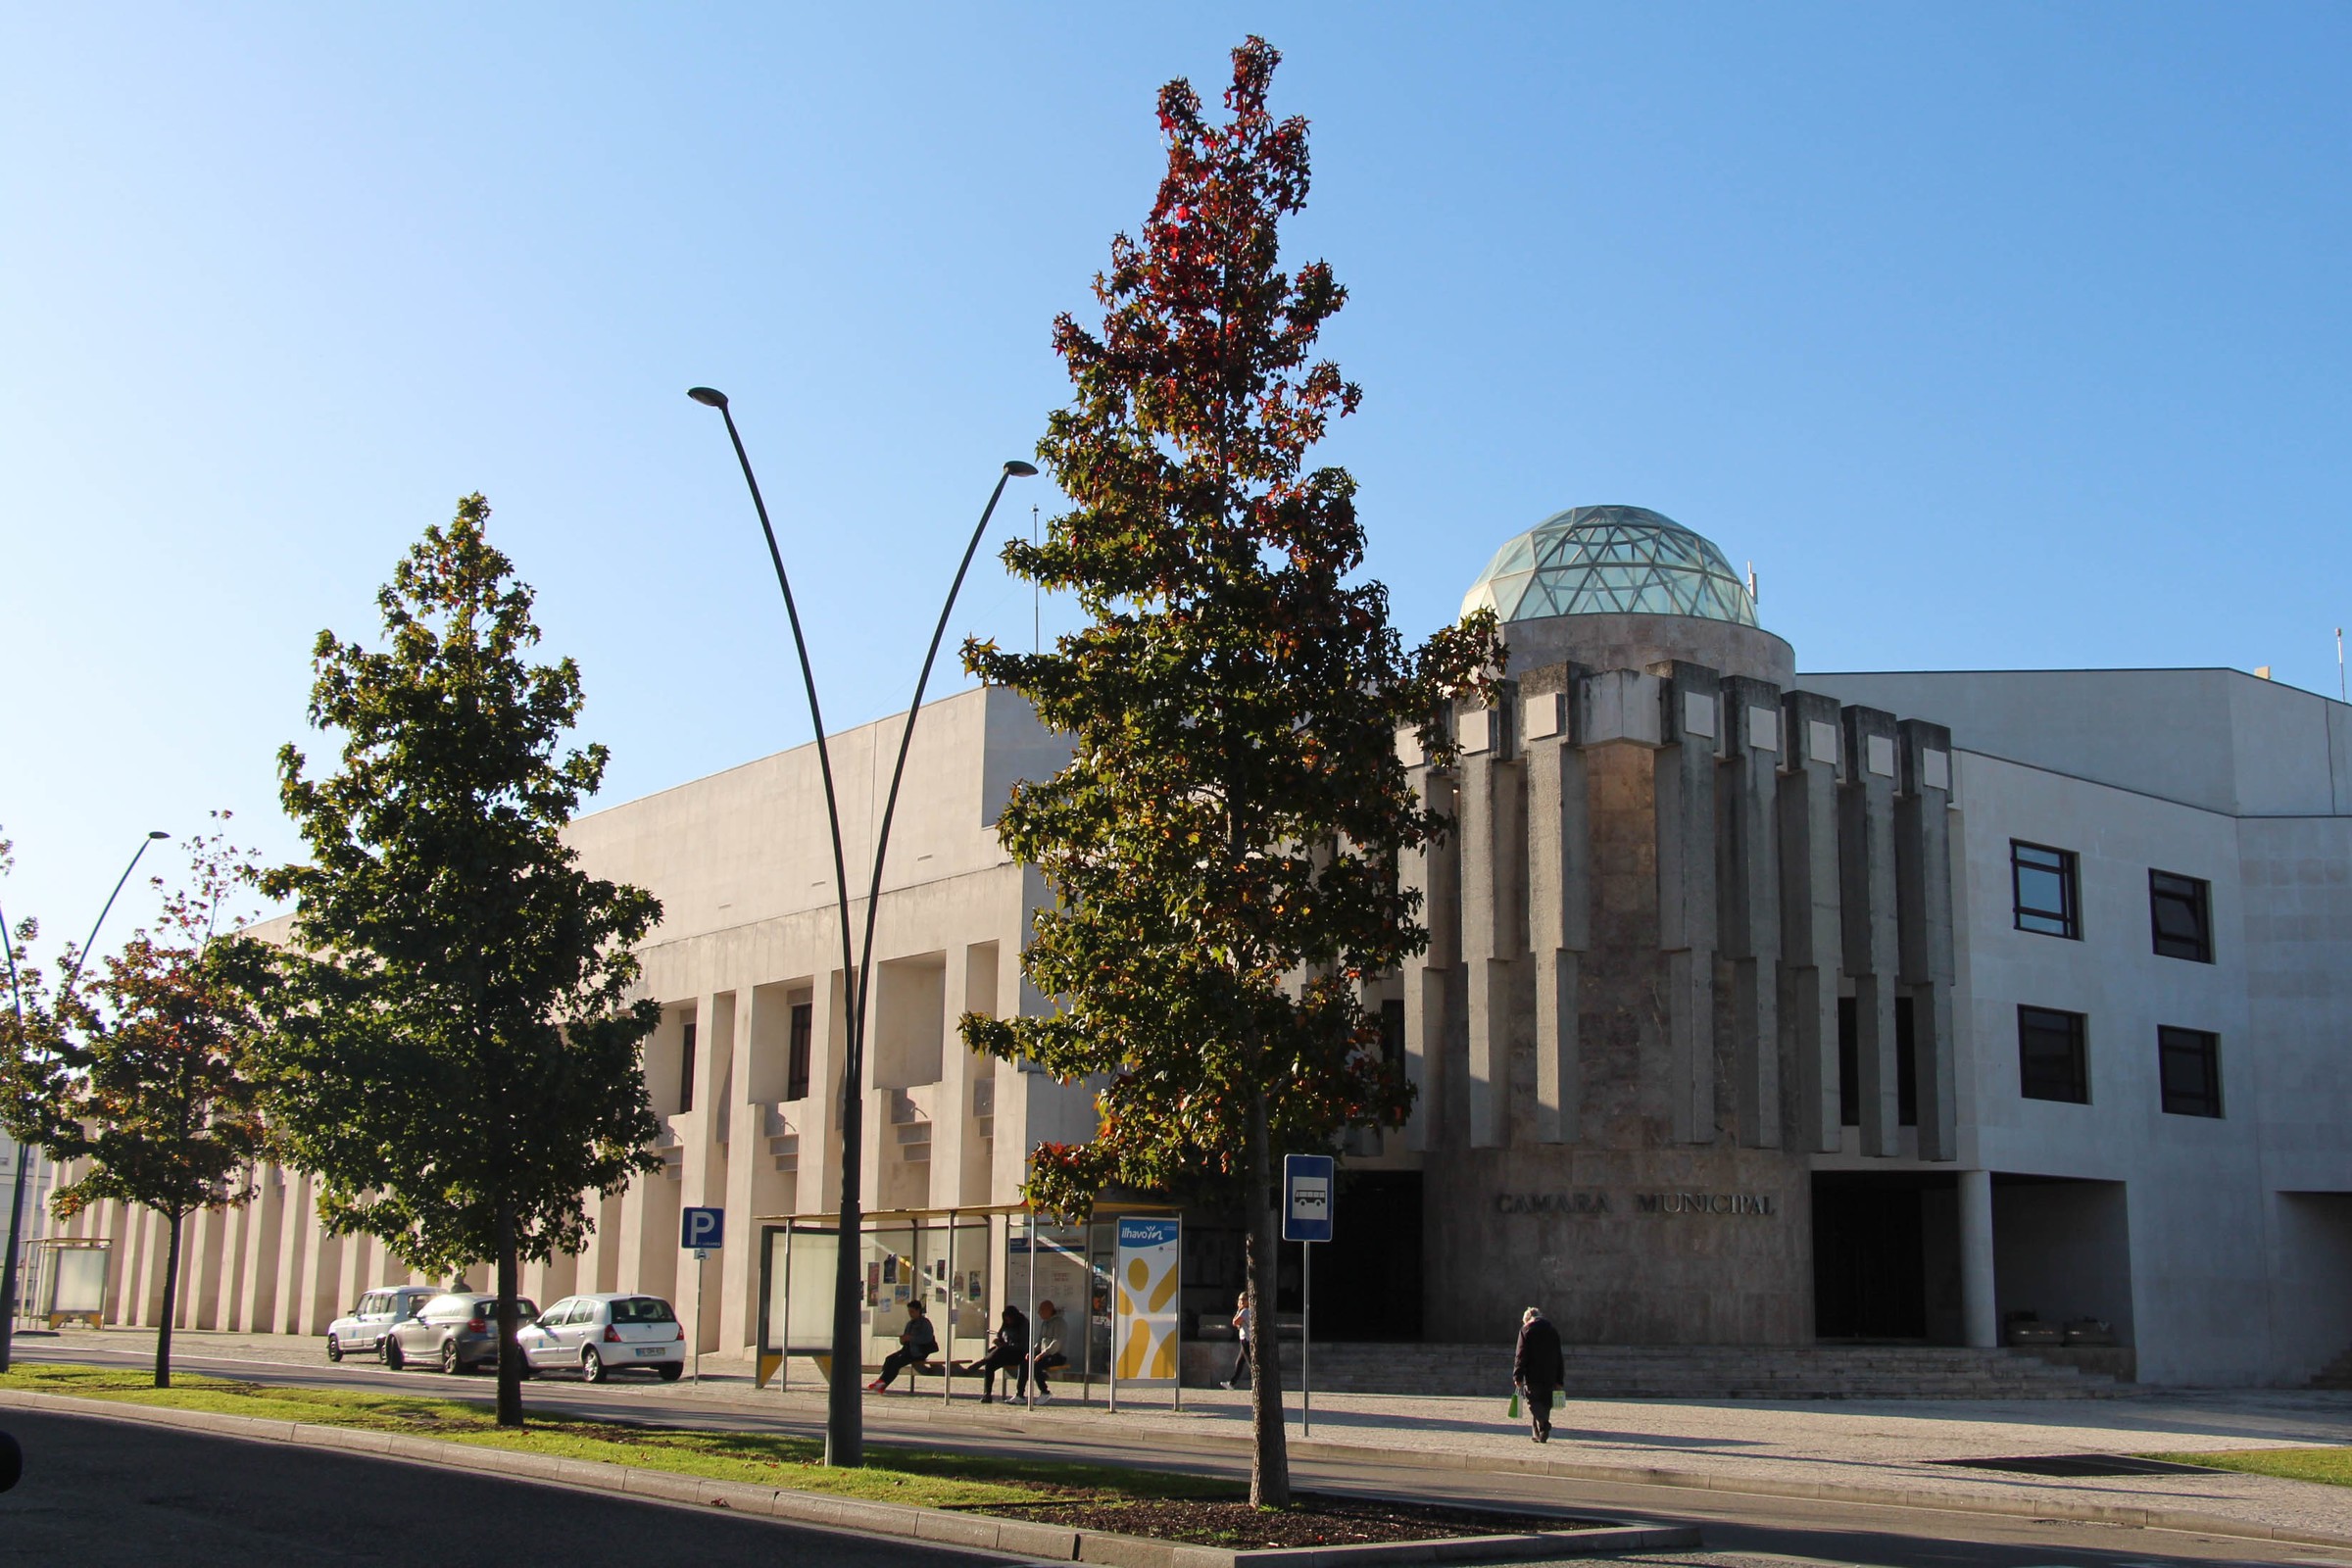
[
  {"x": 370, "y": 1304},
  {"x": 560, "y": 1313},
  {"x": 643, "y": 1310},
  {"x": 487, "y": 1307}
]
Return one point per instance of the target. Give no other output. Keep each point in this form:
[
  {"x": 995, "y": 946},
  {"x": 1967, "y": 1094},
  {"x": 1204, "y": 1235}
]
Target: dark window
[
  {"x": 2048, "y": 897},
  {"x": 796, "y": 1069},
  {"x": 2181, "y": 907},
  {"x": 686, "y": 1072},
  {"x": 2051, "y": 1064},
  {"x": 1849, "y": 1064},
  {"x": 2189, "y": 1061},
  {"x": 643, "y": 1310},
  {"x": 1391, "y": 1033}
]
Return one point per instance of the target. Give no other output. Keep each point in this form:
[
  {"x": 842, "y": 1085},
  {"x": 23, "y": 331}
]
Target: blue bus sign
[{"x": 1306, "y": 1198}]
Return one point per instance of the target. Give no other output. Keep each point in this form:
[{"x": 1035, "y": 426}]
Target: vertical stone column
[
  {"x": 1979, "y": 1316},
  {"x": 1560, "y": 893},
  {"x": 266, "y": 1222},
  {"x": 1867, "y": 897},
  {"x": 1689, "y": 733},
  {"x": 761, "y": 1049},
  {"x": 1434, "y": 872},
  {"x": 297, "y": 1237},
  {"x": 1923, "y": 878},
  {"x": 817, "y": 1189},
  {"x": 704, "y": 1132},
  {"x": 951, "y": 1105},
  {"x": 1748, "y": 801},
  {"x": 1491, "y": 856},
  {"x": 1812, "y": 935}
]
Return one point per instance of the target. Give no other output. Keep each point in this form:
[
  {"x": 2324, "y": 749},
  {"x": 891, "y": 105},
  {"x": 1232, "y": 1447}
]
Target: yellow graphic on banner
[{"x": 1148, "y": 1271}]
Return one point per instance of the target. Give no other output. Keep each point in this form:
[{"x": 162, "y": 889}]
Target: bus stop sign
[{"x": 1307, "y": 1206}]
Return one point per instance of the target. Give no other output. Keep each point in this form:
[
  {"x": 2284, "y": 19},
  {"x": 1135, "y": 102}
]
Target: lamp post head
[
  {"x": 159, "y": 833},
  {"x": 1021, "y": 471},
  {"x": 709, "y": 397}
]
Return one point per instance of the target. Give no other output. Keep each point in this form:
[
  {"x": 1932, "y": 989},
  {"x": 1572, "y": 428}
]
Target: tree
[
  {"x": 146, "y": 1078},
  {"x": 26, "y": 1068},
  {"x": 1223, "y": 843},
  {"x": 460, "y": 1061}
]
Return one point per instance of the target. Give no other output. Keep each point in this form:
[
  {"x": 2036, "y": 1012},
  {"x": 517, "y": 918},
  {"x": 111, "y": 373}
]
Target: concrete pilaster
[
  {"x": 1979, "y": 1317},
  {"x": 1812, "y": 935},
  {"x": 1923, "y": 872},
  {"x": 1559, "y": 894},
  {"x": 295, "y": 1242},
  {"x": 1867, "y": 898},
  {"x": 1434, "y": 872},
  {"x": 1688, "y": 730},
  {"x": 257, "y": 1281},
  {"x": 761, "y": 1047},
  {"x": 1490, "y": 938},
  {"x": 1747, "y": 797}
]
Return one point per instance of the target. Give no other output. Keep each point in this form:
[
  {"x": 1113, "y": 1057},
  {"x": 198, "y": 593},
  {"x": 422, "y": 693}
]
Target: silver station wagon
[
  {"x": 597, "y": 1336},
  {"x": 365, "y": 1328}
]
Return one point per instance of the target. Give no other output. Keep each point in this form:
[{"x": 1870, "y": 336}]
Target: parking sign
[
  {"x": 1307, "y": 1181},
  {"x": 702, "y": 1227}
]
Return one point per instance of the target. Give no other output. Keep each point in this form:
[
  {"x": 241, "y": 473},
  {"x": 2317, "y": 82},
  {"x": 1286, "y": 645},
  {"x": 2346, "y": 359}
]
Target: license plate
[{"x": 652, "y": 1349}]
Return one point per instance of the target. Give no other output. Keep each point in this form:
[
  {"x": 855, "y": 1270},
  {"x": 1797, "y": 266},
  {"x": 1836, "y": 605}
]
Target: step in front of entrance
[{"x": 1684, "y": 1372}]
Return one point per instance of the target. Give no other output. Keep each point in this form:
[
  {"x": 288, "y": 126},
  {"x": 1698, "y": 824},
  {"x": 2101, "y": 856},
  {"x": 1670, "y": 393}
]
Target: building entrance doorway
[
  {"x": 1885, "y": 1257},
  {"x": 1368, "y": 1275}
]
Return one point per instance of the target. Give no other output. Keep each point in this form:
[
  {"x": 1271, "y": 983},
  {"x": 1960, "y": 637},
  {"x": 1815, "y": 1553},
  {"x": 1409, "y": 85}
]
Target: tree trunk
[
  {"x": 1269, "y": 1454},
  {"x": 510, "y": 1353},
  {"x": 163, "y": 1334}
]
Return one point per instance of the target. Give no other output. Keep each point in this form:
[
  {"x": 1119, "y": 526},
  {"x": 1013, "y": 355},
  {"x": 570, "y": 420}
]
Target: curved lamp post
[
  {"x": 16, "y": 1199},
  {"x": 845, "y": 1411}
]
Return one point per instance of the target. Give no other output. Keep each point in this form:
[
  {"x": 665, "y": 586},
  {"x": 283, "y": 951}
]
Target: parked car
[
  {"x": 597, "y": 1336},
  {"x": 457, "y": 1330},
  {"x": 365, "y": 1326}
]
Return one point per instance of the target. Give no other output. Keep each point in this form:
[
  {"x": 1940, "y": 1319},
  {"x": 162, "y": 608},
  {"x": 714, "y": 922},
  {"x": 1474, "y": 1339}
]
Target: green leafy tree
[
  {"x": 1223, "y": 843},
  {"x": 26, "y": 1066},
  {"x": 145, "y": 1081},
  {"x": 460, "y": 1061}
]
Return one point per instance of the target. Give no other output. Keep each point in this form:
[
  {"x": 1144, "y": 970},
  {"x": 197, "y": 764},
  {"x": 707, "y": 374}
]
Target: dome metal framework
[{"x": 1610, "y": 561}]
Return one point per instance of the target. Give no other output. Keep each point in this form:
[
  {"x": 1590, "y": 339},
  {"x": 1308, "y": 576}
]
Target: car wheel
[
  {"x": 334, "y": 1348},
  {"x": 392, "y": 1355},
  {"x": 449, "y": 1357},
  {"x": 671, "y": 1371},
  {"x": 592, "y": 1365}
]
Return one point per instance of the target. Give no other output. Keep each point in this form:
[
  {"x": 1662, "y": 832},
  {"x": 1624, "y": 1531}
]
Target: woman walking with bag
[{"x": 1535, "y": 1369}]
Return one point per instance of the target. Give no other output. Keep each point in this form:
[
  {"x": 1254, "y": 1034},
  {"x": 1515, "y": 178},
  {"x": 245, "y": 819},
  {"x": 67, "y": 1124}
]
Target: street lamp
[
  {"x": 16, "y": 1198},
  {"x": 845, "y": 1411}
]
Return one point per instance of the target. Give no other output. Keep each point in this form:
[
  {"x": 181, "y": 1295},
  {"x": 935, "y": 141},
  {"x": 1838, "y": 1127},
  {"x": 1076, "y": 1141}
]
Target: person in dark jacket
[
  {"x": 1537, "y": 1369},
  {"x": 918, "y": 1342},
  {"x": 1007, "y": 1352}
]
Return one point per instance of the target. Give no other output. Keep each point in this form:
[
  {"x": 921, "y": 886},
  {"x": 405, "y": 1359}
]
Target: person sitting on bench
[{"x": 918, "y": 1344}]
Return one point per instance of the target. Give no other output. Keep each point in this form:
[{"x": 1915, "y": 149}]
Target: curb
[{"x": 941, "y": 1527}]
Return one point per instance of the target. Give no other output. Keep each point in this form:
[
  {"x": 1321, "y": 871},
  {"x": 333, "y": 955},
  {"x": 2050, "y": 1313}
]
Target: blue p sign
[{"x": 702, "y": 1227}]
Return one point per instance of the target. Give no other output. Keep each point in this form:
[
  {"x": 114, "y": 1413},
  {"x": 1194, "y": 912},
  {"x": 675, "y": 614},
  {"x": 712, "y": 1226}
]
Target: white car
[
  {"x": 597, "y": 1336},
  {"x": 364, "y": 1329}
]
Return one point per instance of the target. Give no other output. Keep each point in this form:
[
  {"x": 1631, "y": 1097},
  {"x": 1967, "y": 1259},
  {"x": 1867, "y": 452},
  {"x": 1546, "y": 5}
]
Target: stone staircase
[{"x": 1701, "y": 1372}]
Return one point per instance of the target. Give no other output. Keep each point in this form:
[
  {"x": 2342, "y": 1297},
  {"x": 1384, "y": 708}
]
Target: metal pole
[
  {"x": 1179, "y": 1311},
  {"x": 1029, "y": 1373},
  {"x": 845, "y": 1412},
  {"x": 700, "y": 1256},
  {"x": 1307, "y": 1337},
  {"x": 15, "y": 1197},
  {"x": 947, "y": 1382},
  {"x": 784, "y": 1345},
  {"x": 1118, "y": 1293}
]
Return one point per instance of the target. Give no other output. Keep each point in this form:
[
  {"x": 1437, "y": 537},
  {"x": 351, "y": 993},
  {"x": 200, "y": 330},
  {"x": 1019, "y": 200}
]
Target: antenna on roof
[
  {"x": 2339, "y": 663},
  {"x": 1751, "y": 583}
]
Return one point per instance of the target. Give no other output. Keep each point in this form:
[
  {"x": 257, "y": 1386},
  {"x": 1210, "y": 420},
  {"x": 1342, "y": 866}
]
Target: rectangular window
[
  {"x": 1849, "y": 1064},
  {"x": 1391, "y": 1033},
  {"x": 2049, "y": 897},
  {"x": 796, "y": 1064},
  {"x": 2181, "y": 907},
  {"x": 2051, "y": 1062},
  {"x": 2189, "y": 1061},
  {"x": 686, "y": 1072}
]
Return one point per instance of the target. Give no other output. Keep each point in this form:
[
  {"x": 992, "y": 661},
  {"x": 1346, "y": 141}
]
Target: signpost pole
[
  {"x": 1028, "y": 1370},
  {"x": 784, "y": 1345},
  {"x": 701, "y": 1256},
  {"x": 1306, "y": 1338}
]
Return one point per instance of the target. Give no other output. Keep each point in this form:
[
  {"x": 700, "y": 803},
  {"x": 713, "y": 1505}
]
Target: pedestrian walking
[
  {"x": 1536, "y": 1370},
  {"x": 1047, "y": 1353},
  {"x": 1007, "y": 1352},
  {"x": 1241, "y": 1330},
  {"x": 918, "y": 1342}
]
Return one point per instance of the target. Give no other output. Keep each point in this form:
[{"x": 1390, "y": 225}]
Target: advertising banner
[{"x": 1150, "y": 1271}]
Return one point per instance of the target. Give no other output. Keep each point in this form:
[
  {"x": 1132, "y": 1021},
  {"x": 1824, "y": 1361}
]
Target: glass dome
[{"x": 1610, "y": 561}]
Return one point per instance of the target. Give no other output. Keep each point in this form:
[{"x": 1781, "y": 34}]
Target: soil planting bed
[{"x": 1311, "y": 1521}]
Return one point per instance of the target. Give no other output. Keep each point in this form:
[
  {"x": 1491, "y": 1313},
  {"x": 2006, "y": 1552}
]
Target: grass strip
[
  {"x": 923, "y": 1477},
  {"x": 2331, "y": 1466}
]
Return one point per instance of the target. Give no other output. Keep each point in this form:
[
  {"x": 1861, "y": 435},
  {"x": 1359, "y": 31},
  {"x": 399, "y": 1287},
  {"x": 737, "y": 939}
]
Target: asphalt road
[
  {"x": 1794, "y": 1528},
  {"x": 100, "y": 1493}
]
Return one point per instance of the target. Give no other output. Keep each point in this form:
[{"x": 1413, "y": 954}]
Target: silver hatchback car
[
  {"x": 366, "y": 1326},
  {"x": 597, "y": 1336}
]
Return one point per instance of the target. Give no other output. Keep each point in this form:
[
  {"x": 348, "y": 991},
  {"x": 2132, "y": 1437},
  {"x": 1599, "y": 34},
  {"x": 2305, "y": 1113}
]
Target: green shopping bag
[{"x": 1514, "y": 1412}]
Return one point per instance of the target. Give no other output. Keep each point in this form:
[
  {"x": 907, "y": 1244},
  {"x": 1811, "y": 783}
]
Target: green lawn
[
  {"x": 2330, "y": 1465},
  {"x": 891, "y": 1474}
]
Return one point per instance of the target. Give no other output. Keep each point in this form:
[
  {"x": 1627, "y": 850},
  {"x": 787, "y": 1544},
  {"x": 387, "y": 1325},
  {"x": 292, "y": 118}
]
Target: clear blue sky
[{"x": 1995, "y": 334}]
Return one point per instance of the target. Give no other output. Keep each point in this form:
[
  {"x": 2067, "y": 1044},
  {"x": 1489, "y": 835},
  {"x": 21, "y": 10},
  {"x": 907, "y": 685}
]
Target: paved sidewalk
[{"x": 1790, "y": 1448}]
